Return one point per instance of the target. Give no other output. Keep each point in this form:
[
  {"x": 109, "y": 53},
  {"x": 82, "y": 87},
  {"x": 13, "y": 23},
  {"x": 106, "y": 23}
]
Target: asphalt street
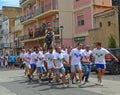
[{"x": 14, "y": 82}]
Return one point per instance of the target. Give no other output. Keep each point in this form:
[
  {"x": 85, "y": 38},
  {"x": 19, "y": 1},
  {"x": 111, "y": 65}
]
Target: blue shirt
[{"x": 12, "y": 58}]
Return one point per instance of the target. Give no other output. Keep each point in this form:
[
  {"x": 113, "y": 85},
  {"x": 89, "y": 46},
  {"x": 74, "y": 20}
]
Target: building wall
[
  {"x": 102, "y": 2},
  {"x": 81, "y": 3},
  {"x": 66, "y": 20},
  {"x": 101, "y": 5},
  {"x": 83, "y": 20},
  {"x": 102, "y": 33},
  {"x": 11, "y": 12},
  {"x": 87, "y": 20}
]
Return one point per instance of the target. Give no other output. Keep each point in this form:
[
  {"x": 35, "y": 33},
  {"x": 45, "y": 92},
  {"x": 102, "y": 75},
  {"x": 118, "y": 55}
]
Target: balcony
[
  {"x": 27, "y": 19},
  {"x": 21, "y": 38},
  {"x": 38, "y": 35},
  {"x": 5, "y": 45},
  {"x": 2, "y": 32},
  {"x": 47, "y": 10}
]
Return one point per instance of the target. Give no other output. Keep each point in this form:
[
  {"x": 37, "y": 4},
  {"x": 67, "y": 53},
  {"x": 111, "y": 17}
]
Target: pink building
[
  {"x": 38, "y": 13},
  {"x": 82, "y": 20},
  {"x": 84, "y": 11}
]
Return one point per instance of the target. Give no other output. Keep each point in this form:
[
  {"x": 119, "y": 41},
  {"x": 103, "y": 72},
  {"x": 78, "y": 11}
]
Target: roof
[
  {"x": 11, "y": 7},
  {"x": 106, "y": 11}
]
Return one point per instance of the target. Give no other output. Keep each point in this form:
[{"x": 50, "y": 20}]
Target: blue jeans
[
  {"x": 87, "y": 70},
  {"x": 67, "y": 69}
]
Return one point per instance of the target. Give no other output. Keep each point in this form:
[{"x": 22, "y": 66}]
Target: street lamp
[{"x": 61, "y": 28}]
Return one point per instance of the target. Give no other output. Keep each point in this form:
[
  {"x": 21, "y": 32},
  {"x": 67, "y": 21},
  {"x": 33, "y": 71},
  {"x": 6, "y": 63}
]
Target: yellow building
[
  {"x": 18, "y": 32},
  {"x": 105, "y": 25}
]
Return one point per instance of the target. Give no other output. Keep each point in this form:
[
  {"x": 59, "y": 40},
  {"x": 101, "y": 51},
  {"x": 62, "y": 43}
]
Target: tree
[{"x": 111, "y": 42}]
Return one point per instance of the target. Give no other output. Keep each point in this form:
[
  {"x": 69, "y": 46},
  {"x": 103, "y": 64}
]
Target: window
[
  {"x": 80, "y": 20},
  {"x": 109, "y": 23},
  {"x": 100, "y": 24}
]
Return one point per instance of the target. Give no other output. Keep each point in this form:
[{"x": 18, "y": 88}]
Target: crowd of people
[
  {"x": 7, "y": 61},
  {"x": 64, "y": 64}
]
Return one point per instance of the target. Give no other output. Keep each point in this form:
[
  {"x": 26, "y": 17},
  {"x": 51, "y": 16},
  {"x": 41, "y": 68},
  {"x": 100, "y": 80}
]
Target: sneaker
[
  {"x": 101, "y": 84},
  {"x": 82, "y": 83},
  {"x": 70, "y": 82},
  {"x": 40, "y": 81},
  {"x": 64, "y": 85}
]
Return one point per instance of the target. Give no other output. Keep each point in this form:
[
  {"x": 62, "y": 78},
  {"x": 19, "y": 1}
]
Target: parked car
[{"x": 111, "y": 66}]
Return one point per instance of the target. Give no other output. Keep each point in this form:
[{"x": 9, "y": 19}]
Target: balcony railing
[
  {"x": 38, "y": 33},
  {"x": 22, "y": 1},
  {"x": 21, "y": 38},
  {"x": 5, "y": 45},
  {"x": 24, "y": 18},
  {"x": 46, "y": 8}
]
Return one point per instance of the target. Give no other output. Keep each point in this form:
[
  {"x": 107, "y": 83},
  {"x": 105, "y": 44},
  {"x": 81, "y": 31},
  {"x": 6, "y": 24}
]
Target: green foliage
[{"x": 111, "y": 42}]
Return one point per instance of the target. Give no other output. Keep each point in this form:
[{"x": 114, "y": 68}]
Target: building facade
[
  {"x": 40, "y": 14},
  {"x": 106, "y": 26},
  {"x": 84, "y": 11},
  {"x": 8, "y": 15},
  {"x": 18, "y": 33}
]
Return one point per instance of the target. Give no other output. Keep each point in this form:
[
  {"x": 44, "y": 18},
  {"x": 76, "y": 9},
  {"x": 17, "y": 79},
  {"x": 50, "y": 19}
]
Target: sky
[{"x": 14, "y": 3}]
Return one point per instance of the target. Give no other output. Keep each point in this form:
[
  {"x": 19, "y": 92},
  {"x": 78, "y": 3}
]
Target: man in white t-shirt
[
  {"x": 33, "y": 61},
  {"x": 66, "y": 57},
  {"x": 49, "y": 57},
  {"x": 40, "y": 65},
  {"x": 58, "y": 62},
  {"x": 75, "y": 62},
  {"x": 86, "y": 60},
  {"x": 99, "y": 55},
  {"x": 27, "y": 58}
]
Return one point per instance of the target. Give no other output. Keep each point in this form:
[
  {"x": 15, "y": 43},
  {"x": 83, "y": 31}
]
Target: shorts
[
  {"x": 60, "y": 70},
  {"x": 50, "y": 70},
  {"x": 75, "y": 68},
  {"x": 33, "y": 66},
  {"x": 6, "y": 63},
  {"x": 67, "y": 69},
  {"x": 100, "y": 66},
  {"x": 12, "y": 63},
  {"x": 41, "y": 70}
]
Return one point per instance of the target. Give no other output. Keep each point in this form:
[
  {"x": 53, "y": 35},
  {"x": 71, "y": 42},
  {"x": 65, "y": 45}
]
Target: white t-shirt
[
  {"x": 40, "y": 63},
  {"x": 49, "y": 57},
  {"x": 59, "y": 59},
  {"x": 27, "y": 56},
  {"x": 100, "y": 55},
  {"x": 76, "y": 56},
  {"x": 33, "y": 56},
  {"x": 87, "y": 54},
  {"x": 66, "y": 57}
]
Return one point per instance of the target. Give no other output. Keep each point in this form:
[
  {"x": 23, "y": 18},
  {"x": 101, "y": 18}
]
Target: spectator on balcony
[
  {"x": 30, "y": 33},
  {"x": 43, "y": 29}
]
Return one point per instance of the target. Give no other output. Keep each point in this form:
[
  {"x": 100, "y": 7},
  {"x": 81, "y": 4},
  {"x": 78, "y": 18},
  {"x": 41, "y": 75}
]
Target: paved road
[{"x": 13, "y": 82}]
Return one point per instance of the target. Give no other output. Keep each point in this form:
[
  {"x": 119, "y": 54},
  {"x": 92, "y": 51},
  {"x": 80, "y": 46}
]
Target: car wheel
[{"x": 115, "y": 69}]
